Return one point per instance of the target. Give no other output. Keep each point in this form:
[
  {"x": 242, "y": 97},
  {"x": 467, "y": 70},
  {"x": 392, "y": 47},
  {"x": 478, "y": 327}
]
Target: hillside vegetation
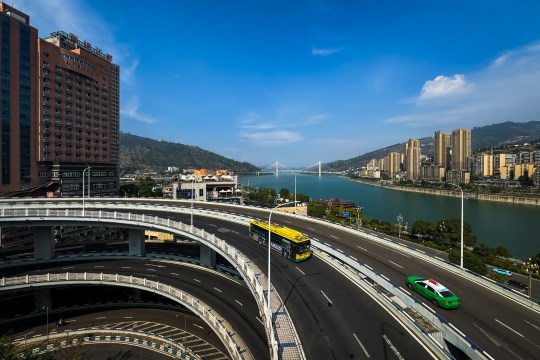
[{"x": 140, "y": 153}]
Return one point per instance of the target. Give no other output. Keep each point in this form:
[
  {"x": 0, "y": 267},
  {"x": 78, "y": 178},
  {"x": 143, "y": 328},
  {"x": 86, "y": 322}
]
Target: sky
[{"x": 302, "y": 81}]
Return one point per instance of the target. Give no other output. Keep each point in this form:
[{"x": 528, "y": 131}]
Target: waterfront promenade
[{"x": 512, "y": 199}]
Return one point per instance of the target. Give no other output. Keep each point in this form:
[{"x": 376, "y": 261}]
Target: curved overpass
[{"x": 368, "y": 253}]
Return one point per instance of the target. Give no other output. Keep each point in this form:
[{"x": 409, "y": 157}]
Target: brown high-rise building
[
  {"x": 461, "y": 149},
  {"x": 18, "y": 105},
  {"x": 80, "y": 116},
  {"x": 60, "y": 111},
  {"x": 441, "y": 149}
]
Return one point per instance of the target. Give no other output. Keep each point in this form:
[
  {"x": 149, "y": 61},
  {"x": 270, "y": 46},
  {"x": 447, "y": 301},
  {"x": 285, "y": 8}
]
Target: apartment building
[
  {"x": 461, "y": 149},
  {"x": 441, "y": 149},
  {"x": 412, "y": 159},
  {"x": 392, "y": 164}
]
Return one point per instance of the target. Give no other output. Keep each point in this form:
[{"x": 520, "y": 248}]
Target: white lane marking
[
  {"x": 256, "y": 317},
  {"x": 235, "y": 232},
  {"x": 303, "y": 273},
  {"x": 508, "y": 327},
  {"x": 361, "y": 248},
  {"x": 327, "y": 298},
  {"x": 99, "y": 266},
  {"x": 369, "y": 267},
  {"x": 335, "y": 237},
  {"x": 197, "y": 280},
  {"x": 69, "y": 267},
  {"x": 360, "y": 343},
  {"x": 393, "y": 347},
  {"x": 199, "y": 326},
  {"x": 128, "y": 317},
  {"x": 126, "y": 267},
  {"x": 150, "y": 269},
  {"x": 352, "y": 257},
  {"x": 341, "y": 251},
  {"x": 159, "y": 266},
  {"x": 534, "y": 326},
  {"x": 395, "y": 264},
  {"x": 286, "y": 221},
  {"x": 101, "y": 317},
  {"x": 239, "y": 302},
  {"x": 385, "y": 278},
  {"x": 310, "y": 228},
  {"x": 174, "y": 274},
  {"x": 217, "y": 289}
]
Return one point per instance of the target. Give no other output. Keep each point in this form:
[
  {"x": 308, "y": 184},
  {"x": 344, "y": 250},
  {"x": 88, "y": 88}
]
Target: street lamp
[
  {"x": 46, "y": 307},
  {"x": 460, "y": 189},
  {"x": 399, "y": 219},
  {"x": 531, "y": 268},
  {"x": 192, "y": 195},
  {"x": 87, "y": 168}
]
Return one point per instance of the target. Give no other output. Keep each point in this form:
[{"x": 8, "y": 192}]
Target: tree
[
  {"x": 448, "y": 232},
  {"x": 423, "y": 228},
  {"x": 470, "y": 261},
  {"x": 285, "y": 194},
  {"x": 503, "y": 251}
]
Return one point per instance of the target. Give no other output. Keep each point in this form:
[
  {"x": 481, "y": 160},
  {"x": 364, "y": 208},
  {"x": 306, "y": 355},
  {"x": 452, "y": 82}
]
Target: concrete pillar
[
  {"x": 42, "y": 299},
  {"x": 207, "y": 256},
  {"x": 136, "y": 242},
  {"x": 43, "y": 242}
]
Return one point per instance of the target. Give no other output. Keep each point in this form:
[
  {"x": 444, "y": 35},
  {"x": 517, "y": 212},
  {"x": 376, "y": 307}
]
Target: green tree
[
  {"x": 470, "y": 261},
  {"x": 503, "y": 251},
  {"x": 448, "y": 232},
  {"x": 423, "y": 228},
  {"x": 285, "y": 194},
  {"x": 316, "y": 210}
]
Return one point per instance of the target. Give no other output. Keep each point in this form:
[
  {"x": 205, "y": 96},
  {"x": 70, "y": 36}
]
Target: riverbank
[{"x": 510, "y": 199}]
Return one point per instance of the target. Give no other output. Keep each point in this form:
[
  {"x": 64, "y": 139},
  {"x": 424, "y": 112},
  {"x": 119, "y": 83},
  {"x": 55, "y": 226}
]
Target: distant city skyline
[{"x": 306, "y": 81}]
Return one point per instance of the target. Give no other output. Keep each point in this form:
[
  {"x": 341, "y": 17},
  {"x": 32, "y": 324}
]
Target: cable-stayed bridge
[{"x": 317, "y": 168}]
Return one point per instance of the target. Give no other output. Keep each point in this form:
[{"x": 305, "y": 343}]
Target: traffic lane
[
  {"x": 230, "y": 299},
  {"x": 507, "y": 333},
  {"x": 327, "y": 332}
]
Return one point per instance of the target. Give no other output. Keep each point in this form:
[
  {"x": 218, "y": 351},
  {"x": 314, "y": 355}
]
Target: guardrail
[
  {"x": 222, "y": 328},
  {"x": 280, "y": 329},
  {"x": 60, "y": 340}
]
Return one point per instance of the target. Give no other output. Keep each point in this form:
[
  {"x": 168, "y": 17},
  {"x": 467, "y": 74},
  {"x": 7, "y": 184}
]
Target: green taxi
[{"x": 434, "y": 292}]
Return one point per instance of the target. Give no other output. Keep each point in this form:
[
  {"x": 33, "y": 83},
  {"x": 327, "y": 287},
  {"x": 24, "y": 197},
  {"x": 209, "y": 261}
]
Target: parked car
[
  {"x": 518, "y": 284},
  {"x": 502, "y": 271},
  {"x": 435, "y": 292}
]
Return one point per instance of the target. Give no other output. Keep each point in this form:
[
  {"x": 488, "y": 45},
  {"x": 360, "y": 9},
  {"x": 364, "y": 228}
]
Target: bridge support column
[
  {"x": 207, "y": 256},
  {"x": 42, "y": 299},
  {"x": 136, "y": 242},
  {"x": 43, "y": 242}
]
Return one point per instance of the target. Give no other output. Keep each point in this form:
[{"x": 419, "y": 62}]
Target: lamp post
[
  {"x": 46, "y": 307},
  {"x": 268, "y": 309},
  {"x": 399, "y": 219},
  {"x": 87, "y": 168},
  {"x": 192, "y": 196},
  {"x": 531, "y": 268},
  {"x": 461, "y": 257}
]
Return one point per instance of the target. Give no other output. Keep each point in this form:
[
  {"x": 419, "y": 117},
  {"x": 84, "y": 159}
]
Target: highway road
[
  {"x": 503, "y": 328},
  {"x": 355, "y": 326},
  {"x": 226, "y": 295}
]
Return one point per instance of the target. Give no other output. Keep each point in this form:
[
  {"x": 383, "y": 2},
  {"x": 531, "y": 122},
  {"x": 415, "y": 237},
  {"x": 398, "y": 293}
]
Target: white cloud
[
  {"x": 443, "y": 86},
  {"x": 505, "y": 90},
  {"x": 274, "y": 137},
  {"x": 130, "y": 108},
  {"x": 323, "y": 52}
]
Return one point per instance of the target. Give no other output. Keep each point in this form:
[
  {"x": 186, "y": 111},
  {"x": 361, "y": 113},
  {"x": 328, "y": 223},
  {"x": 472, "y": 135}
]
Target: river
[{"x": 496, "y": 224}]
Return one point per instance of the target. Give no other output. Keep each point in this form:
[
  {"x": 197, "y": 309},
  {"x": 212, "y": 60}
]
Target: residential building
[
  {"x": 483, "y": 165},
  {"x": 412, "y": 160},
  {"x": 441, "y": 149},
  {"x": 392, "y": 163},
  {"x": 461, "y": 149}
]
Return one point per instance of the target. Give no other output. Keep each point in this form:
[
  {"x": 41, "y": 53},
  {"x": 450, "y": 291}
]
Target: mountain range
[{"x": 143, "y": 154}]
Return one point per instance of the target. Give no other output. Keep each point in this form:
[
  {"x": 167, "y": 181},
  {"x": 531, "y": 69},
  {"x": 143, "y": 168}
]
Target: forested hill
[
  {"x": 496, "y": 135},
  {"x": 140, "y": 153}
]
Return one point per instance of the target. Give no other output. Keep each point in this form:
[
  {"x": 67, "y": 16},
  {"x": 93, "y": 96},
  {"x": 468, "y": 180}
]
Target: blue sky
[{"x": 302, "y": 81}]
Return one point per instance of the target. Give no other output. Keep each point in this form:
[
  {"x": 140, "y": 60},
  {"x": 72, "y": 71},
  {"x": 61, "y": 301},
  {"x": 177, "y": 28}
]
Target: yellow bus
[{"x": 288, "y": 242}]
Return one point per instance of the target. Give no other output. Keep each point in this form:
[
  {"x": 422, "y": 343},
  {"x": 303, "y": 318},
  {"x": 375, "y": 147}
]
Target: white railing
[{"x": 278, "y": 330}]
